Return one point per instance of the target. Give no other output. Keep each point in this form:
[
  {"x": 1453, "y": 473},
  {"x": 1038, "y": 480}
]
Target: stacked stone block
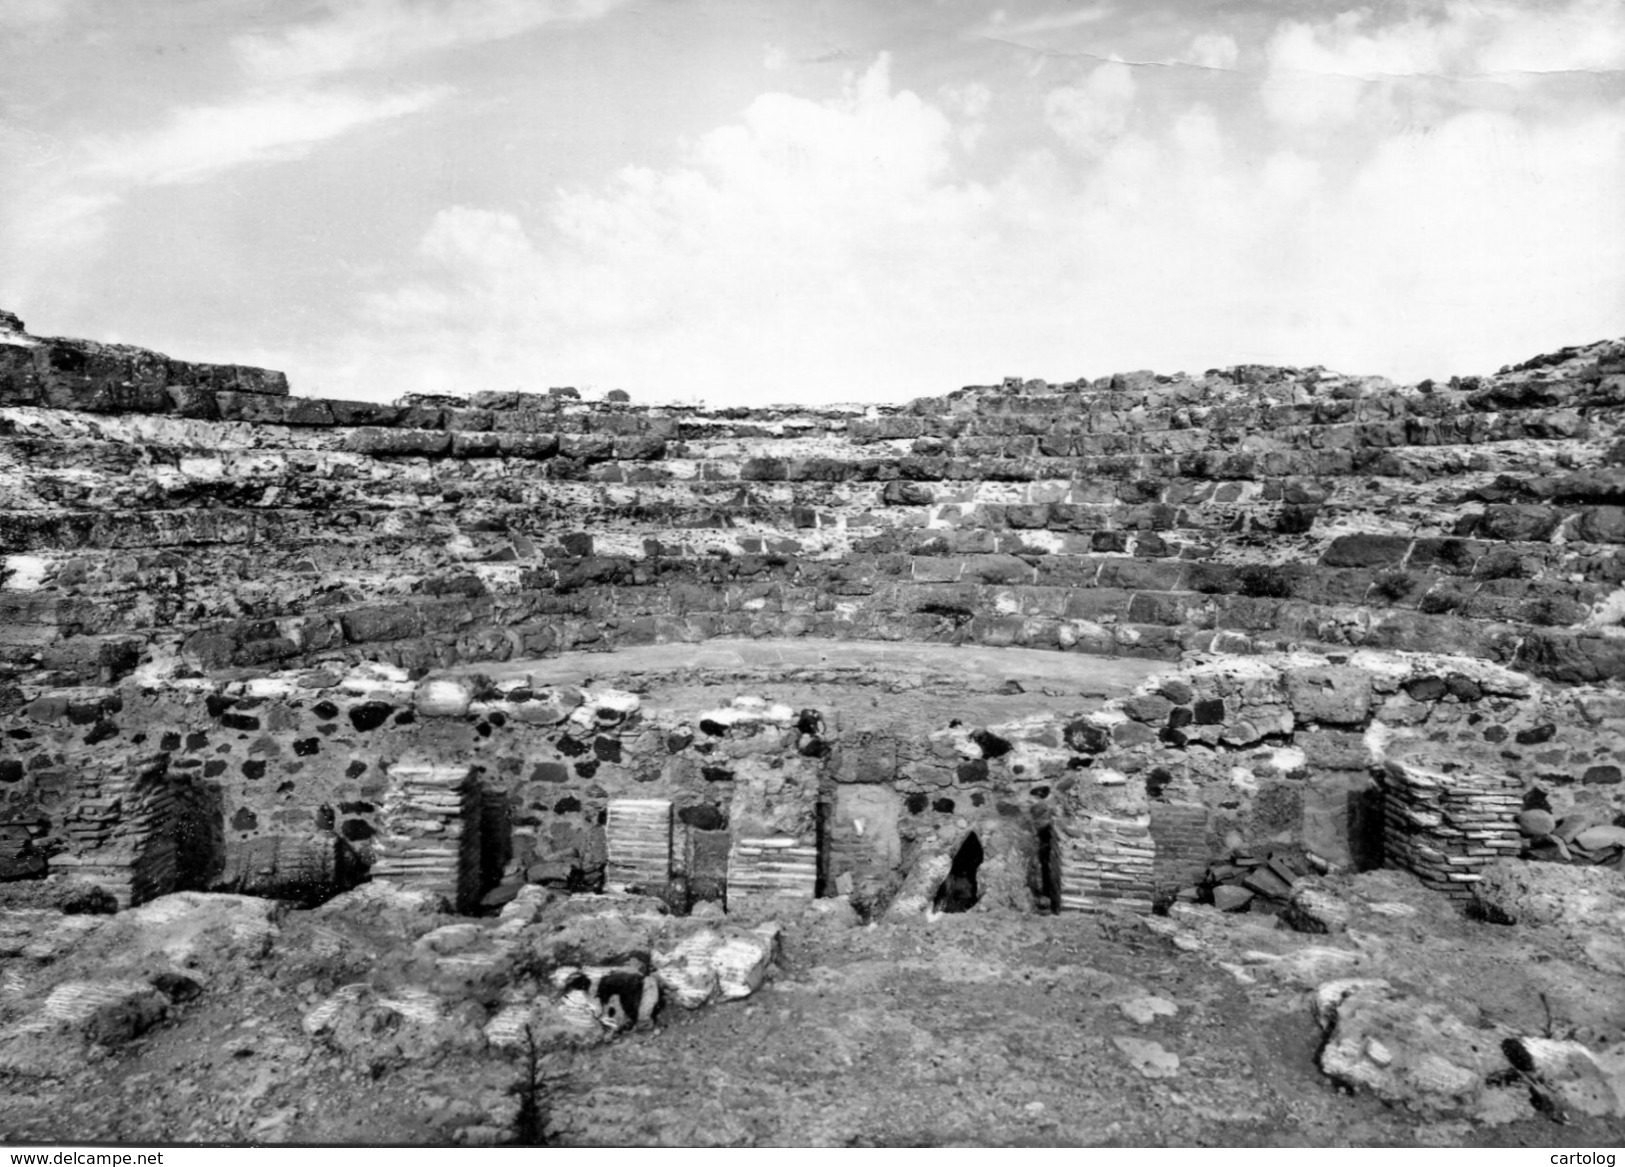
[
  {"x": 1139, "y": 514},
  {"x": 1445, "y": 827},
  {"x": 770, "y": 869},
  {"x": 1107, "y": 862},
  {"x": 431, "y": 837},
  {"x": 1179, "y": 835},
  {"x": 637, "y": 833},
  {"x": 123, "y": 829}
]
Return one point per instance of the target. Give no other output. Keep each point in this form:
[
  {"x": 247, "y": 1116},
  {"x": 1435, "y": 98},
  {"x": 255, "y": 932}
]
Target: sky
[{"x": 812, "y": 201}]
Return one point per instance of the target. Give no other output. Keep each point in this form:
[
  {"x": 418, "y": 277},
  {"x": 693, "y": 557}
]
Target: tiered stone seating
[{"x": 153, "y": 506}]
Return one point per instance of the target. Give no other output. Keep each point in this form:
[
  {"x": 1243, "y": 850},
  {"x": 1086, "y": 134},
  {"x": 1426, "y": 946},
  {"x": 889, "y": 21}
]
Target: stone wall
[
  {"x": 1364, "y": 760},
  {"x": 460, "y": 784},
  {"x": 287, "y": 755},
  {"x": 242, "y": 633},
  {"x": 198, "y": 517}
]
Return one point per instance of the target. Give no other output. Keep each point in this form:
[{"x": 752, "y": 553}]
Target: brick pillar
[
  {"x": 431, "y": 835},
  {"x": 123, "y": 825},
  {"x": 1106, "y": 862}
]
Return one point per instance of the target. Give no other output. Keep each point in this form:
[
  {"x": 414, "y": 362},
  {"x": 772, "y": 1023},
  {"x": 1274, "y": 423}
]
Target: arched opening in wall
[
  {"x": 1049, "y": 871},
  {"x": 958, "y": 892}
]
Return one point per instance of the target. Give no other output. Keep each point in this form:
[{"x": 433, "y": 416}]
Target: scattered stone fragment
[
  {"x": 1315, "y": 909},
  {"x": 1145, "y": 1010},
  {"x": 1537, "y": 824},
  {"x": 1571, "y": 1071},
  {"x": 1404, "y": 1049},
  {"x": 1148, "y": 1057},
  {"x": 721, "y": 962}
]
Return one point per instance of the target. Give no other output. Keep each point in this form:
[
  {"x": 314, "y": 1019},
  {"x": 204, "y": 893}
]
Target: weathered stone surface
[
  {"x": 702, "y": 963},
  {"x": 1312, "y": 908},
  {"x": 442, "y": 698},
  {"x": 302, "y": 868},
  {"x": 1404, "y": 1049},
  {"x": 1573, "y": 1074},
  {"x": 601, "y": 930},
  {"x": 1536, "y": 823},
  {"x": 1577, "y": 899},
  {"x": 1148, "y": 1057},
  {"x": 1366, "y": 551},
  {"x": 73, "y": 897},
  {"x": 1331, "y": 695}
]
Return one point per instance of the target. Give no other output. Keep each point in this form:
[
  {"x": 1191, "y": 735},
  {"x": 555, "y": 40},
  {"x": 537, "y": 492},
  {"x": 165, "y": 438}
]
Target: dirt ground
[
  {"x": 974, "y": 1029},
  {"x": 858, "y": 685}
]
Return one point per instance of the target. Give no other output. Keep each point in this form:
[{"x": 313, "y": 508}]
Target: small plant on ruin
[
  {"x": 530, "y": 1124},
  {"x": 1392, "y": 586},
  {"x": 1504, "y": 564},
  {"x": 1263, "y": 581},
  {"x": 1553, "y": 612},
  {"x": 1439, "y": 603}
]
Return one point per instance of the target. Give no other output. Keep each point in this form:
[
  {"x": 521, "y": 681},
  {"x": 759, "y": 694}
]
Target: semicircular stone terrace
[{"x": 1100, "y": 633}]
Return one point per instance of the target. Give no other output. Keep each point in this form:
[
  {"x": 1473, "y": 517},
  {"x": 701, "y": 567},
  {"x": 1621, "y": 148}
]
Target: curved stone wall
[
  {"x": 197, "y": 516},
  {"x": 272, "y": 643}
]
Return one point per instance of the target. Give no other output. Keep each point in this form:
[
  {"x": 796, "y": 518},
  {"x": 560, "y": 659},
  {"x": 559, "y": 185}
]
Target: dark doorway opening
[
  {"x": 821, "y": 880},
  {"x": 958, "y": 893},
  {"x": 1049, "y": 871}
]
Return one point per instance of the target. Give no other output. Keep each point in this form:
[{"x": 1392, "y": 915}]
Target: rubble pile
[
  {"x": 1260, "y": 880},
  {"x": 1581, "y": 837}
]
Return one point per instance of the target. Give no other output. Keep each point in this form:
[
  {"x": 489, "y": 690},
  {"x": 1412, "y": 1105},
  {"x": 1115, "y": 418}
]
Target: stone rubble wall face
[
  {"x": 156, "y": 514},
  {"x": 1203, "y": 760},
  {"x": 1335, "y": 755},
  {"x": 1139, "y": 515}
]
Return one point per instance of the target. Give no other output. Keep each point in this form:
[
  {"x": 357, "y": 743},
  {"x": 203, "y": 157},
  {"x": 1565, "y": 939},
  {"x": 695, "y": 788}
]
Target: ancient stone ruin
[{"x": 1131, "y": 648}]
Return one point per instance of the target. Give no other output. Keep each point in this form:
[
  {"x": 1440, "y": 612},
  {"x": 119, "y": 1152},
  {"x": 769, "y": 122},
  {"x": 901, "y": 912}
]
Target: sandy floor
[{"x": 869, "y": 684}]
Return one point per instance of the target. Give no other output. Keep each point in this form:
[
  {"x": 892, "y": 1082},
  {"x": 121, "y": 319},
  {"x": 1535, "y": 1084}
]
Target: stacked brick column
[
  {"x": 431, "y": 836},
  {"x": 1444, "y": 828}
]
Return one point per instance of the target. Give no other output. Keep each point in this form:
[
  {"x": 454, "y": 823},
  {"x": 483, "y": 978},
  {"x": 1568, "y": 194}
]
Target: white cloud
[
  {"x": 370, "y": 34},
  {"x": 1585, "y": 35},
  {"x": 59, "y": 213},
  {"x": 970, "y": 104},
  {"x": 834, "y": 250},
  {"x": 27, "y": 16},
  {"x": 1461, "y": 38},
  {"x": 1088, "y": 116},
  {"x": 1212, "y": 50},
  {"x": 201, "y": 141},
  {"x": 1000, "y": 26},
  {"x": 290, "y": 96},
  {"x": 1356, "y": 67},
  {"x": 1459, "y": 241}
]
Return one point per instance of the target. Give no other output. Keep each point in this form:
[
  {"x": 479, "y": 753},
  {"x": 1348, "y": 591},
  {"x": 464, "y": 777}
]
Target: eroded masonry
[{"x": 279, "y": 645}]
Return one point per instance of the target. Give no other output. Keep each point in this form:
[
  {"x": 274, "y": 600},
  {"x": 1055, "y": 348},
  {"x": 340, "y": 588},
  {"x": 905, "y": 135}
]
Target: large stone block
[
  {"x": 1518, "y": 522},
  {"x": 398, "y": 442},
  {"x": 901, "y": 492},
  {"x": 1604, "y": 524},
  {"x": 381, "y": 622},
  {"x": 1367, "y": 551},
  {"x": 1571, "y": 658},
  {"x": 1330, "y": 695}
]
